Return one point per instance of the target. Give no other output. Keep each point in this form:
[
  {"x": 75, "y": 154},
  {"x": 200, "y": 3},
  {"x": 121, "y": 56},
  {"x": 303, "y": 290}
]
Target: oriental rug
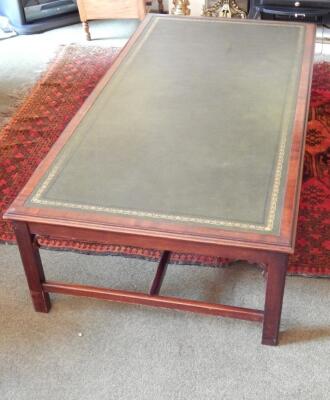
[{"x": 36, "y": 125}]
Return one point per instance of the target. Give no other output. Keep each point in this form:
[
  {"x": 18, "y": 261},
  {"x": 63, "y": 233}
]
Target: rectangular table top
[{"x": 200, "y": 124}]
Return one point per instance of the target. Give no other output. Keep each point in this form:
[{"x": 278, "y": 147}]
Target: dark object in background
[
  {"x": 316, "y": 11},
  {"x": 33, "y": 16}
]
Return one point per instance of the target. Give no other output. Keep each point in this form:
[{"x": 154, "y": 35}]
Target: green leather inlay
[{"x": 194, "y": 127}]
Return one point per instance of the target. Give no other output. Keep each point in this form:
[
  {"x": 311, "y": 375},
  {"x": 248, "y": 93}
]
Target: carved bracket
[{"x": 223, "y": 9}]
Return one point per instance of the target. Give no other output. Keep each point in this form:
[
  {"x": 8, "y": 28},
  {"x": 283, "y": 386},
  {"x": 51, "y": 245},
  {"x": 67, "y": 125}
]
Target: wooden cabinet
[{"x": 108, "y": 9}]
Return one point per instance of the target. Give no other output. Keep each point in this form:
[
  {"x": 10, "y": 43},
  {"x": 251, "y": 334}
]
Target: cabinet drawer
[{"x": 297, "y": 4}]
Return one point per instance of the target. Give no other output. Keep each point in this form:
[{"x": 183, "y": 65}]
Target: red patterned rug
[
  {"x": 34, "y": 128},
  {"x": 312, "y": 253}
]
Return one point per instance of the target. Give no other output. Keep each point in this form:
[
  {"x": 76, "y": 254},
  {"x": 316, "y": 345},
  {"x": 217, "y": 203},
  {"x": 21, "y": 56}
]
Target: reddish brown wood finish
[
  {"x": 270, "y": 250},
  {"x": 33, "y": 267},
  {"x": 173, "y": 243},
  {"x": 276, "y": 272},
  {"x": 158, "y": 301},
  {"x": 160, "y": 274}
]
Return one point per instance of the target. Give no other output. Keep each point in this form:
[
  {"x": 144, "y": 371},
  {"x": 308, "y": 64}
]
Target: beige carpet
[{"x": 91, "y": 350}]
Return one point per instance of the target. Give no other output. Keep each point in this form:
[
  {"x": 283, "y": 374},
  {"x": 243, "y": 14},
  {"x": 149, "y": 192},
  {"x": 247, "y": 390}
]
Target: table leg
[
  {"x": 276, "y": 273},
  {"x": 160, "y": 273},
  {"x": 86, "y": 30},
  {"x": 161, "y": 6},
  {"x": 33, "y": 267}
]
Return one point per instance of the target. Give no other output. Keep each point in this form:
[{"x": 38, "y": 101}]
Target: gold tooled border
[{"x": 268, "y": 227}]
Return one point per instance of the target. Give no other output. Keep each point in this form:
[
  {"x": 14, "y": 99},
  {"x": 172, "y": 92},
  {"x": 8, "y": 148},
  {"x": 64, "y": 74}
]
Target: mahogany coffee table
[{"x": 193, "y": 142}]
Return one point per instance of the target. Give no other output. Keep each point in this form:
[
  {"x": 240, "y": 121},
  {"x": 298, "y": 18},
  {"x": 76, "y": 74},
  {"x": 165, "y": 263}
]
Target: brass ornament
[
  {"x": 180, "y": 7},
  {"x": 223, "y": 9}
]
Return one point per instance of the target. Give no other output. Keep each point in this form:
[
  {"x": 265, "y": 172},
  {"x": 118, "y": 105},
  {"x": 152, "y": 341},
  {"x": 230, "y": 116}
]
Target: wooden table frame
[{"x": 270, "y": 250}]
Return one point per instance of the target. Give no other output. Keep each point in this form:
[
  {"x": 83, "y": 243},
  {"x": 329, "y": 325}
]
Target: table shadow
[{"x": 300, "y": 335}]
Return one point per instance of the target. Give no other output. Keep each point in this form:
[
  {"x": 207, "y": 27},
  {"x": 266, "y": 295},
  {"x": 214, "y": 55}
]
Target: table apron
[{"x": 234, "y": 252}]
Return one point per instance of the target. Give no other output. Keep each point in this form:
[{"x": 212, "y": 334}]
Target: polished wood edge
[
  {"x": 141, "y": 237},
  {"x": 134, "y": 226},
  {"x": 229, "y": 250},
  {"x": 157, "y": 301},
  {"x": 296, "y": 163}
]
